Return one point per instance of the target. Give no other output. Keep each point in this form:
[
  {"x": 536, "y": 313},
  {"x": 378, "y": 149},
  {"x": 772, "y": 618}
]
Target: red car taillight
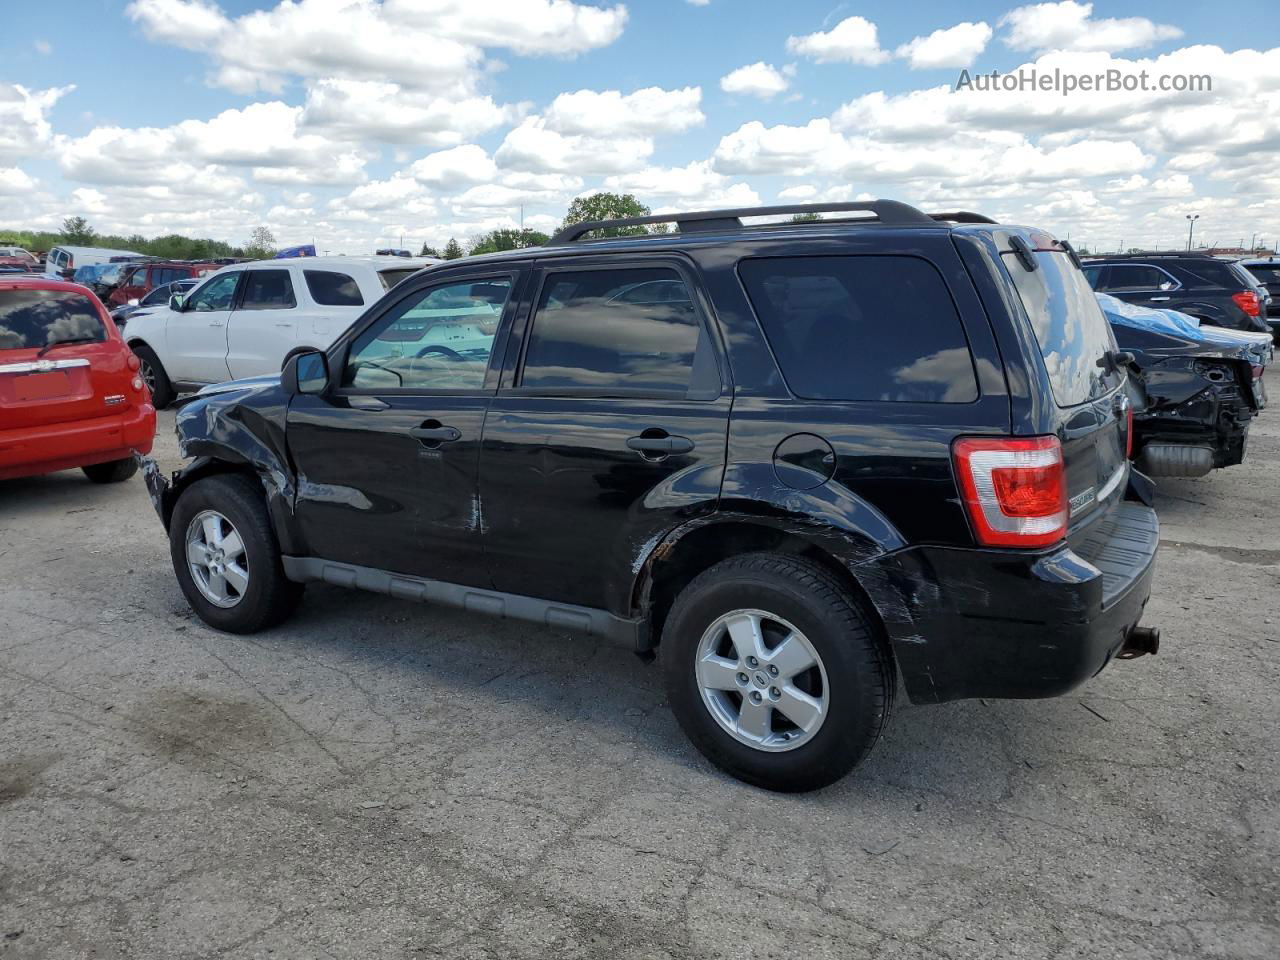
[
  {"x": 1014, "y": 489},
  {"x": 1248, "y": 301},
  {"x": 1128, "y": 431}
]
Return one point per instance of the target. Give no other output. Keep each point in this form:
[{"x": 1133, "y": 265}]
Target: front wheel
[
  {"x": 775, "y": 673},
  {"x": 226, "y": 557},
  {"x": 113, "y": 471}
]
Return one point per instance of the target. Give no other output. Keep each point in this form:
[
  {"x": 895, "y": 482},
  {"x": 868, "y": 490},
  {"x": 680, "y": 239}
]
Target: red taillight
[
  {"x": 1128, "y": 431},
  {"x": 1248, "y": 301},
  {"x": 1014, "y": 489}
]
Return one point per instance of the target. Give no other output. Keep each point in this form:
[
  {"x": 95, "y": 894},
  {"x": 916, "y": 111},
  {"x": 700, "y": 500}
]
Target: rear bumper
[
  {"x": 1003, "y": 624},
  {"x": 29, "y": 451}
]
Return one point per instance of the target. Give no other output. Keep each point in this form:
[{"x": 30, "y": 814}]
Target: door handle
[
  {"x": 433, "y": 433},
  {"x": 217, "y": 323},
  {"x": 660, "y": 445},
  {"x": 1159, "y": 299}
]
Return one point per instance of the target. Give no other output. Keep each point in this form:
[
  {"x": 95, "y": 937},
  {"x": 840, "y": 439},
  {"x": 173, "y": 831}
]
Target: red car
[
  {"x": 144, "y": 278},
  {"x": 70, "y": 392}
]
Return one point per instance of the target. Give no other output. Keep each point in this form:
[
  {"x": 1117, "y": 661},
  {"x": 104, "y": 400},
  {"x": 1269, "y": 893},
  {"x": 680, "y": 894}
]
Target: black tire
[
  {"x": 270, "y": 596},
  {"x": 113, "y": 471},
  {"x": 860, "y": 678},
  {"x": 162, "y": 392}
]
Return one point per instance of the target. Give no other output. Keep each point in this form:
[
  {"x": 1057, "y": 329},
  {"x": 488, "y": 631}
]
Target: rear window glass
[
  {"x": 865, "y": 328},
  {"x": 607, "y": 330},
  {"x": 1069, "y": 325},
  {"x": 331, "y": 289},
  {"x": 36, "y": 318},
  {"x": 1266, "y": 272},
  {"x": 390, "y": 278}
]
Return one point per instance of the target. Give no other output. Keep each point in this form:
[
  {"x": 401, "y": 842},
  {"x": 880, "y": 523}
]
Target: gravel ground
[{"x": 378, "y": 779}]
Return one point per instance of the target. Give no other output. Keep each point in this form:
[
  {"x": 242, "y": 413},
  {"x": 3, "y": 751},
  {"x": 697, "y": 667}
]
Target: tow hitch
[{"x": 1139, "y": 642}]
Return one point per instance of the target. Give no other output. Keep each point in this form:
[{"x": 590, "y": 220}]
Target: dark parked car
[
  {"x": 1195, "y": 389},
  {"x": 799, "y": 460},
  {"x": 159, "y": 297},
  {"x": 1267, "y": 272},
  {"x": 141, "y": 279},
  {"x": 1218, "y": 292}
]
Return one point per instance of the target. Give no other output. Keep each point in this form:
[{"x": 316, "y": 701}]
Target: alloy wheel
[{"x": 216, "y": 558}]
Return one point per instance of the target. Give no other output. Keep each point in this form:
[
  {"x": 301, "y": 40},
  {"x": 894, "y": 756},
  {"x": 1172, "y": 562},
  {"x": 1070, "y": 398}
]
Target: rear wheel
[
  {"x": 775, "y": 673},
  {"x": 226, "y": 557},
  {"x": 113, "y": 471},
  {"x": 153, "y": 375}
]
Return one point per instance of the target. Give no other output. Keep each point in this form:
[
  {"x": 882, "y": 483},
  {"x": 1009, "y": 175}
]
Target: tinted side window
[
  {"x": 606, "y": 330},
  {"x": 438, "y": 339},
  {"x": 1202, "y": 274},
  {"x": 216, "y": 294},
  {"x": 1133, "y": 276},
  {"x": 332, "y": 289},
  {"x": 267, "y": 290},
  {"x": 862, "y": 328},
  {"x": 1095, "y": 276}
]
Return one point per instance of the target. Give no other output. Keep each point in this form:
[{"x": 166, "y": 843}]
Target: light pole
[{"x": 1191, "y": 229}]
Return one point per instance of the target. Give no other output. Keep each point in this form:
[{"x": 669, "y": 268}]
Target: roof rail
[
  {"x": 962, "y": 216},
  {"x": 887, "y": 211}
]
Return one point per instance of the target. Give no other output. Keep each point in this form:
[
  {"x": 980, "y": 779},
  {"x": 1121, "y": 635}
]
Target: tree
[
  {"x": 76, "y": 232},
  {"x": 427, "y": 251},
  {"x": 610, "y": 206},
  {"x": 507, "y": 239},
  {"x": 262, "y": 244},
  {"x": 452, "y": 250}
]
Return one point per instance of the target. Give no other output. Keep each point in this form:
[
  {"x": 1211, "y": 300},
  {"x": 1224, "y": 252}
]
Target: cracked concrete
[{"x": 379, "y": 779}]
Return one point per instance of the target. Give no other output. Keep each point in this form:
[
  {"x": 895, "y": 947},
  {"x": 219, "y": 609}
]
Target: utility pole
[
  {"x": 1253, "y": 243},
  {"x": 1191, "y": 229},
  {"x": 522, "y": 218}
]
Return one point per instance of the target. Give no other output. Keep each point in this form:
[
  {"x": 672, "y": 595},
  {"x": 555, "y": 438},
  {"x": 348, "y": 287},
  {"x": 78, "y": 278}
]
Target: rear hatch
[
  {"x": 1075, "y": 341},
  {"x": 42, "y": 384}
]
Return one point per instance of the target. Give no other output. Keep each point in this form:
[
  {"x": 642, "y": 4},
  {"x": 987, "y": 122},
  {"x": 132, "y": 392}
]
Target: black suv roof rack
[
  {"x": 961, "y": 216},
  {"x": 889, "y": 212}
]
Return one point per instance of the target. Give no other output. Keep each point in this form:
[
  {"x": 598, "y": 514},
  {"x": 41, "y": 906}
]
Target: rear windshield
[
  {"x": 1069, "y": 326},
  {"x": 35, "y": 318},
  {"x": 1266, "y": 272},
  {"x": 390, "y": 278}
]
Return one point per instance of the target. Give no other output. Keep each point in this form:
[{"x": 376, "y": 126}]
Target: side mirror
[
  {"x": 175, "y": 302},
  {"x": 306, "y": 373}
]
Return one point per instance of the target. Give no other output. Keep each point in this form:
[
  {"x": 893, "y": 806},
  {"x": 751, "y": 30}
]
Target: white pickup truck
[{"x": 245, "y": 320}]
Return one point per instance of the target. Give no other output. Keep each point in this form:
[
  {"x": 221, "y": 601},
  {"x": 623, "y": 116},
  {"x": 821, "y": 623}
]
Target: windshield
[
  {"x": 1069, "y": 326},
  {"x": 35, "y": 318}
]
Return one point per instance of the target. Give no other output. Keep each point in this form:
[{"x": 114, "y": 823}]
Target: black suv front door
[
  {"x": 387, "y": 460},
  {"x": 608, "y": 430}
]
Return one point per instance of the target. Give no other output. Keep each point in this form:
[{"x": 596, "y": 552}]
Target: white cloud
[
  {"x": 435, "y": 45},
  {"x": 43, "y": 47},
  {"x": 532, "y": 148},
  {"x": 852, "y": 40},
  {"x": 1070, "y": 26},
  {"x": 645, "y": 112},
  {"x": 451, "y": 168},
  {"x": 957, "y": 46},
  {"x": 24, "y": 119},
  {"x": 15, "y": 180},
  {"x": 757, "y": 79},
  {"x": 374, "y": 110}
]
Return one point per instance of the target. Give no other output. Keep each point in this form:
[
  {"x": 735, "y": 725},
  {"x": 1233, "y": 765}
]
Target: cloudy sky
[{"x": 353, "y": 122}]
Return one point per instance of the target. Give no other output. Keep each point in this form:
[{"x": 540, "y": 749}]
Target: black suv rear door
[{"x": 608, "y": 429}]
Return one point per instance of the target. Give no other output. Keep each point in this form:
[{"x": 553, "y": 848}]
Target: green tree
[
  {"x": 498, "y": 240},
  {"x": 262, "y": 244},
  {"x": 610, "y": 206},
  {"x": 76, "y": 232},
  {"x": 806, "y": 217},
  {"x": 452, "y": 250},
  {"x": 428, "y": 251}
]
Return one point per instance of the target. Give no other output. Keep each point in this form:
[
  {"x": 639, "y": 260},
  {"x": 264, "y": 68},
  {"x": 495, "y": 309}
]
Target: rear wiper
[{"x": 57, "y": 343}]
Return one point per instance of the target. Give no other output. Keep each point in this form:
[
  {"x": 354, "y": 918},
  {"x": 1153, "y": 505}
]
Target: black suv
[
  {"x": 799, "y": 460},
  {"x": 1217, "y": 292},
  {"x": 1266, "y": 270}
]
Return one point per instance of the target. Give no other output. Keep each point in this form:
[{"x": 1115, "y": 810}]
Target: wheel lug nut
[
  {"x": 774, "y": 693},
  {"x": 755, "y": 696},
  {"x": 752, "y": 662},
  {"x": 743, "y": 678},
  {"x": 773, "y": 671}
]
